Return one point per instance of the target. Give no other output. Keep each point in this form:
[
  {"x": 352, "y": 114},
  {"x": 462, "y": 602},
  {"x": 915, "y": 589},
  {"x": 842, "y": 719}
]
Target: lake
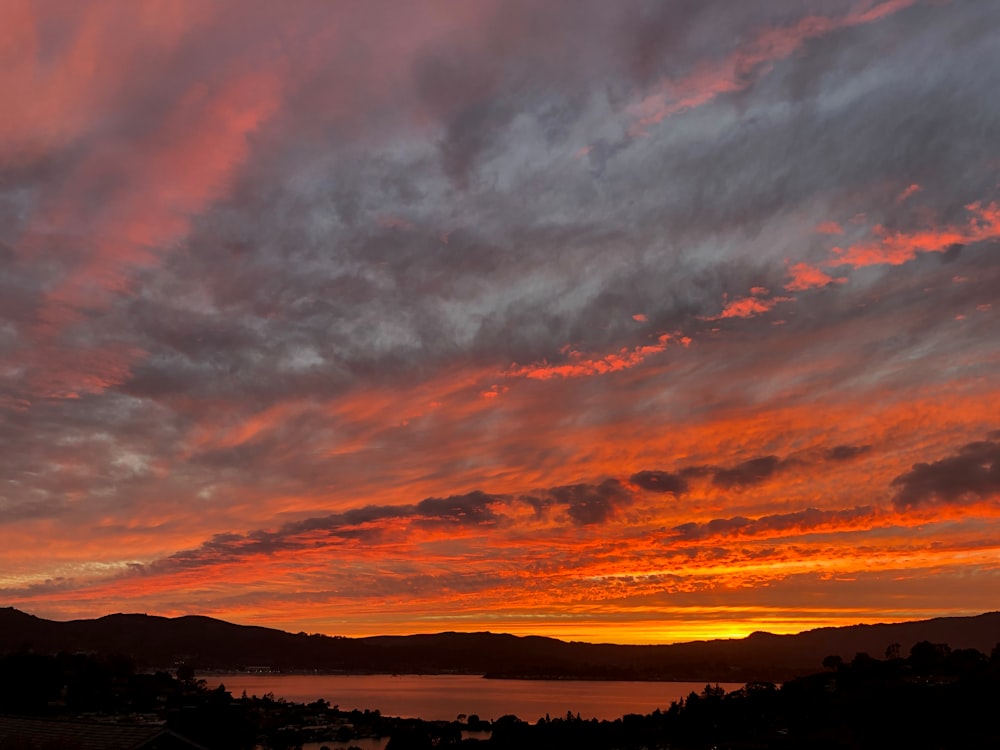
[{"x": 444, "y": 697}]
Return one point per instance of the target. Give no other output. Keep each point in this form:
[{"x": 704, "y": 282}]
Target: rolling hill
[{"x": 208, "y": 643}]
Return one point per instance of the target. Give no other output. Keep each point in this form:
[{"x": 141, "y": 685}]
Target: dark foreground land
[{"x": 935, "y": 697}]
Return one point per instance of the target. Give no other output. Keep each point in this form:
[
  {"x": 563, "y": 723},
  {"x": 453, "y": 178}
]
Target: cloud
[
  {"x": 805, "y": 276},
  {"x": 907, "y": 193},
  {"x": 897, "y": 247},
  {"x": 660, "y": 481},
  {"x": 847, "y": 452},
  {"x": 750, "y": 472},
  {"x": 591, "y": 504},
  {"x": 227, "y": 303},
  {"x": 583, "y": 365},
  {"x": 744, "y": 474},
  {"x": 809, "y": 520},
  {"x": 829, "y": 227},
  {"x": 472, "y": 508},
  {"x": 971, "y": 474},
  {"x": 747, "y": 473},
  {"x": 749, "y": 307},
  {"x": 366, "y": 524},
  {"x": 738, "y": 71},
  {"x": 584, "y": 504}
]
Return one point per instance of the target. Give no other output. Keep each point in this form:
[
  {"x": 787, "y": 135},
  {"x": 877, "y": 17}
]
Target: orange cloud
[
  {"x": 748, "y": 307},
  {"x": 896, "y": 248},
  {"x": 584, "y": 365},
  {"x": 805, "y": 276}
]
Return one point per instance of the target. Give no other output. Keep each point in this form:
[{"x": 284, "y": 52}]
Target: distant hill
[{"x": 210, "y": 644}]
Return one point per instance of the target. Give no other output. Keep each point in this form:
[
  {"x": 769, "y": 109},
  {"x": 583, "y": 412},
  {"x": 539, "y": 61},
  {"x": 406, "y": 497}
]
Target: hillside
[{"x": 207, "y": 643}]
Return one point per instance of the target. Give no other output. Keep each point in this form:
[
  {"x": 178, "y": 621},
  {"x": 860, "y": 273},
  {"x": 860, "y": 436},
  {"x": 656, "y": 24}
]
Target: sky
[{"x": 632, "y": 322}]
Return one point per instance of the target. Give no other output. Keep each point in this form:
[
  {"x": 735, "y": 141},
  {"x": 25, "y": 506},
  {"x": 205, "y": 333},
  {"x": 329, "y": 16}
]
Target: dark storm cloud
[{"x": 971, "y": 474}]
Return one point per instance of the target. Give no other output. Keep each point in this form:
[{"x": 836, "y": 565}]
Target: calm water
[{"x": 443, "y": 697}]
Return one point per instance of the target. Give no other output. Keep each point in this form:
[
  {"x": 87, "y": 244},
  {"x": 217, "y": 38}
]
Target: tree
[
  {"x": 185, "y": 673},
  {"x": 926, "y": 656},
  {"x": 833, "y": 661}
]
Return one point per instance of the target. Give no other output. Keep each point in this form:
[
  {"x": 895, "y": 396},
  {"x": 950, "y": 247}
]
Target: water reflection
[
  {"x": 364, "y": 743},
  {"x": 444, "y": 697}
]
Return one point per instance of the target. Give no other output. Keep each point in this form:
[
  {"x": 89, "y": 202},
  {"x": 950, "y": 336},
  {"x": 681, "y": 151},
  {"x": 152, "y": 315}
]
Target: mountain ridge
[{"x": 210, "y": 643}]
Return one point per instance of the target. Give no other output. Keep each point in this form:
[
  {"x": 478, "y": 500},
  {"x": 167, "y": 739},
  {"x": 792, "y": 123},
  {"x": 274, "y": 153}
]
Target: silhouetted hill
[{"x": 207, "y": 643}]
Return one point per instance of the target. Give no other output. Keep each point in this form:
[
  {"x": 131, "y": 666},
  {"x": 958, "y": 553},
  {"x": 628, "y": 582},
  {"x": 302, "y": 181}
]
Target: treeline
[{"x": 935, "y": 697}]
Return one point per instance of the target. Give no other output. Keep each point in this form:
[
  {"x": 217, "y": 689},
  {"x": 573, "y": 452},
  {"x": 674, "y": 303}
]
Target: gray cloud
[
  {"x": 584, "y": 504},
  {"x": 846, "y": 452},
  {"x": 591, "y": 504},
  {"x": 752, "y": 471},
  {"x": 660, "y": 481},
  {"x": 744, "y": 474},
  {"x": 472, "y": 509},
  {"x": 971, "y": 474},
  {"x": 803, "y": 521}
]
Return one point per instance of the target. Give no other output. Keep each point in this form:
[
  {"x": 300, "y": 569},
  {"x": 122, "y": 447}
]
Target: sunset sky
[{"x": 611, "y": 321}]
